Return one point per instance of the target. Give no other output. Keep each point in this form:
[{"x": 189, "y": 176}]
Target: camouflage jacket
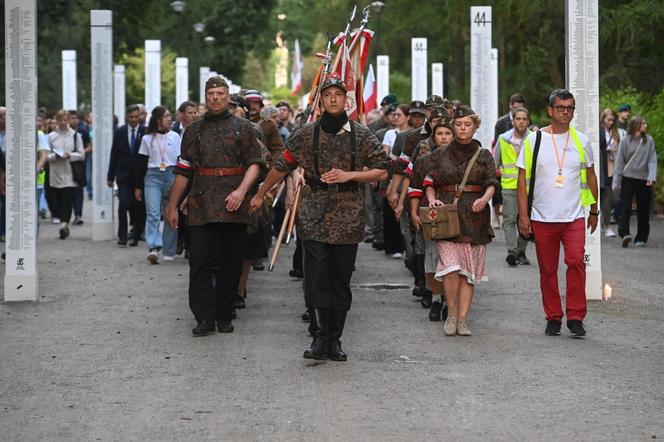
[
  {"x": 437, "y": 169},
  {"x": 327, "y": 216},
  {"x": 217, "y": 141}
]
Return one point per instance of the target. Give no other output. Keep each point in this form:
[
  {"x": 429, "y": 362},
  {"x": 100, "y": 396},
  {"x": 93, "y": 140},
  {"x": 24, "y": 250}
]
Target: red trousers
[{"x": 548, "y": 237}]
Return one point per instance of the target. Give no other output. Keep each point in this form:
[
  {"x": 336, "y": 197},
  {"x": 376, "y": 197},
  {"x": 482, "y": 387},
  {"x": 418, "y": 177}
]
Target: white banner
[
  {"x": 20, "y": 147},
  {"x": 437, "y": 79},
  {"x": 119, "y": 93},
  {"x": 480, "y": 70},
  {"x": 69, "y": 92},
  {"x": 152, "y": 74},
  {"x": 203, "y": 74},
  {"x": 181, "y": 80},
  {"x": 101, "y": 44},
  {"x": 582, "y": 57},
  {"x": 419, "y": 66},
  {"x": 382, "y": 77}
]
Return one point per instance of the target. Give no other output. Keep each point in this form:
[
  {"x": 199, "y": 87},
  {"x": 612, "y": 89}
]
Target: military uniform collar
[{"x": 344, "y": 128}]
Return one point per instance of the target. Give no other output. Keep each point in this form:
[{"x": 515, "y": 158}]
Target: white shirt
[
  {"x": 161, "y": 148},
  {"x": 552, "y": 204}
]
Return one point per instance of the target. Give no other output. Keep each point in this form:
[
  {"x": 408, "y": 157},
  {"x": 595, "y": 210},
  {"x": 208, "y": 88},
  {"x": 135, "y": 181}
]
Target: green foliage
[
  {"x": 400, "y": 85},
  {"x": 135, "y": 77}
]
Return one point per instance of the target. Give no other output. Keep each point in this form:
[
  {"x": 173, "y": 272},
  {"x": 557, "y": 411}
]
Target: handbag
[
  {"x": 78, "y": 169},
  {"x": 443, "y": 222},
  {"x": 531, "y": 188}
]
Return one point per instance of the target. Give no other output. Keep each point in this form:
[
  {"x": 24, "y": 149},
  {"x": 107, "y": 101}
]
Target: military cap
[
  {"x": 391, "y": 108},
  {"x": 333, "y": 80},
  {"x": 463, "y": 111},
  {"x": 215, "y": 81},
  {"x": 445, "y": 121},
  {"x": 434, "y": 100},
  {"x": 238, "y": 101},
  {"x": 624, "y": 107},
  {"x": 253, "y": 95},
  {"x": 437, "y": 112},
  {"x": 417, "y": 107},
  {"x": 388, "y": 99}
]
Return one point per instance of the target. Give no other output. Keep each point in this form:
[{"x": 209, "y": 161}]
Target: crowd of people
[{"x": 217, "y": 183}]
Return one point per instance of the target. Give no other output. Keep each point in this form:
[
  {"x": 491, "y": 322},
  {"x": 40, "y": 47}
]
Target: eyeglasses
[{"x": 562, "y": 109}]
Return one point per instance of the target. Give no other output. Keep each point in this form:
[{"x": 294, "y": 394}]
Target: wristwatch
[{"x": 594, "y": 213}]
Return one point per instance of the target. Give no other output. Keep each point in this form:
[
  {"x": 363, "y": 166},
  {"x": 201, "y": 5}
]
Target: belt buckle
[
  {"x": 457, "y": 190},
  {"x": 333, "y": 187},
  {"x": 218, "y": 171}
]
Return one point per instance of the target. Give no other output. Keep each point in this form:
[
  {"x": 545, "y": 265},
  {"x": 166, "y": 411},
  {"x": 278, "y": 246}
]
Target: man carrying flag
[{"x": 333, "y": 152}]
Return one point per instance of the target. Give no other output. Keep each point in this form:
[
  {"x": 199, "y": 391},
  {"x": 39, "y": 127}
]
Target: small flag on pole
[
  {"x": 370, "y": 94},
  {"x": 296, "y": 73}
]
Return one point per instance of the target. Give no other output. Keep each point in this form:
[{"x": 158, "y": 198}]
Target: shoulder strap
[
  {"x": 353, "y": 146},
  {"x": 470, "y": 165},
  {"x": 531, "y": 189},
  {"x": 316, "y": 142},
  {"x": 633, "y": 155}
]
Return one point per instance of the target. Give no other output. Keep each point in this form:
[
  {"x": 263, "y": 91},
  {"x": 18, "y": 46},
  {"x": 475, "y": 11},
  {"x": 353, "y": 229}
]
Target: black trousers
[
  {"x": 62, "y": 202},
  {"x": 297, "y": 255},
  {"x": 327, "y": 272},
  {"x": 215, "y": 266},
  {"x": 629, "y": 187},
  {"x": 129, "y": 206},
  {"x": 391, "y": 230}
]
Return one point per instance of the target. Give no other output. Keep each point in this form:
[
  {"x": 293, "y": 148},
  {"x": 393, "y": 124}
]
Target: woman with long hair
[
  {"x": 609, "y": 140},
  {"x": 635, "y": 173},
  {"x": 157, "y": 156}
]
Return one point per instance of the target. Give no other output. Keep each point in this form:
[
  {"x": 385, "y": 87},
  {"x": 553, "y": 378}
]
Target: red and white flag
[
  {"x": 370, "y": 94},
  {"x": 296, "y": 72}
]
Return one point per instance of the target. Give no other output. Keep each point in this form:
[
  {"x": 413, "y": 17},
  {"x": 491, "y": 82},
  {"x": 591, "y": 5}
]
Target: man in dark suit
[{"x": 126, "y": 141}]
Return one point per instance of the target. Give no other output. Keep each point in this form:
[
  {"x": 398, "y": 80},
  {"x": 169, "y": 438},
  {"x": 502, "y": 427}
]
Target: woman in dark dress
[{"x": 462, "y": 259}]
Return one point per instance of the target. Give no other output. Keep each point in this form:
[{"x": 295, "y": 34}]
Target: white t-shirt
[
  {"x": 161, "y": 147},
  {"x": 390, "y": 137},
  {"x": 552, "y": 204}
]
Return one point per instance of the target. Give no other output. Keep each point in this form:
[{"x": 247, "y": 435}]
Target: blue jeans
[{"x": 157, "y": 187}]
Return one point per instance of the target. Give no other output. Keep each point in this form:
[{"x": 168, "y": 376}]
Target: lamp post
[
  {"x": 199, "y": 27},
  {"x": 378, "y": 7},
  {"x": 179, "y": 7}
]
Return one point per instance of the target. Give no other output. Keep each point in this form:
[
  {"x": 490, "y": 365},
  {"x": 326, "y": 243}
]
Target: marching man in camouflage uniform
[
  {"x": 221, "y": 159},
  {"x": 334, "y": 153}
]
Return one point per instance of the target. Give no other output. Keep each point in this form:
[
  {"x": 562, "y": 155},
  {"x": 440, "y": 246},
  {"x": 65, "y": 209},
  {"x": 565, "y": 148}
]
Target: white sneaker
[
  {"x": 396, "y": 255},
  {"x": 153, "y": 257},
  {"x": 55, "y": 221},
  {"x": 609, "y": 233},
  {"x": 169, "y": 258}
]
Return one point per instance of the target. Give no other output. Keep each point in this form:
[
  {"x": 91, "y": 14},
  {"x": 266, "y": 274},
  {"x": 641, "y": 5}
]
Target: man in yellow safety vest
[
  {"x": 565, "y": 183},
  {"x": 505, "y": 154}
]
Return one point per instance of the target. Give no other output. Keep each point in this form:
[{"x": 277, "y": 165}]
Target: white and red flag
[
  {"x": 370, "y": 92},
  {"x": 296, "y": 71}
]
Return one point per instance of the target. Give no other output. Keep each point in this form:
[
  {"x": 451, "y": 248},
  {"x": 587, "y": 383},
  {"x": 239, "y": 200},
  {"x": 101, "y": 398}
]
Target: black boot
[
  {"x": 427, "y": 299},
  {"x": 337, "y": 322},
  {"x": 318, "y": 348},
  {"x": 420, "y": 282}
]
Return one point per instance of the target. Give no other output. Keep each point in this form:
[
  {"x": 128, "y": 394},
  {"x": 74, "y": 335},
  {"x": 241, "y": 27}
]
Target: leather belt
[
  {"x": 456, "y": 188},
  {"x": 220, "y": 171},
  {"x": 350, "y": 186}
]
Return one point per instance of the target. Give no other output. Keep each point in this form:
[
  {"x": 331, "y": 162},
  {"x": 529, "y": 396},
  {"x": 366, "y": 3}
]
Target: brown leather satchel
[{"x": 443, "y": 222}]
